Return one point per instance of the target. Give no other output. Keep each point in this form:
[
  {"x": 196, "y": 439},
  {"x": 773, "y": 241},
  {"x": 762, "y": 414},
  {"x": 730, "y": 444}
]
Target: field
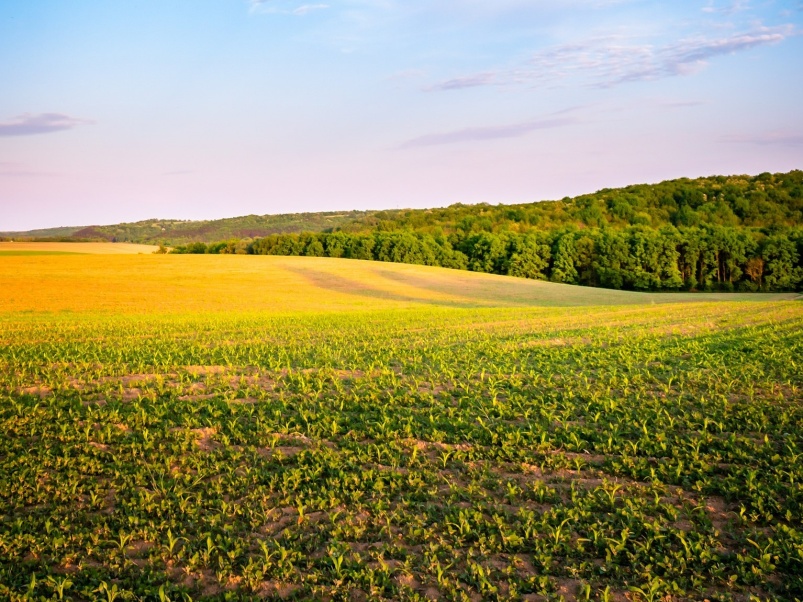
[
  {"x": 72, "y": 248},
  {"x": 237, "y": 428}
]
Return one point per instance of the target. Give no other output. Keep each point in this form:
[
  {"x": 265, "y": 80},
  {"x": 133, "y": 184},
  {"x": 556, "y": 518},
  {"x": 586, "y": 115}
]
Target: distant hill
[
  {"x": 176, "y": 232},
  {"x": 762, "y": 201},
  {"x": 61, "y": 232}
]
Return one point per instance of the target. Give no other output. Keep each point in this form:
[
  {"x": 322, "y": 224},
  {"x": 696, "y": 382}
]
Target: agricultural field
[
  {"x": 178, "y": 427},
  {"x": 72, "y": 248}
]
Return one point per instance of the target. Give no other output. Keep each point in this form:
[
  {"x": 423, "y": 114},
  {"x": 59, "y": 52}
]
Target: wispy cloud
[
  {"x": 359, "y": 12},
  {"x": 283, "y": 7},
  {"x": 481, "y": 134},
  {"x": 475, "y": 80},
  {"x": 484, "y": 7},
  {"x": 43, "y": 123},
  {"x": 308, "y": 8},
  {"x": 610, "y": 61},
  {"x": 730, "y": 8}
]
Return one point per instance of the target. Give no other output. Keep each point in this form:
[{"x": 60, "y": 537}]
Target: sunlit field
[
  {"x": 146, "y": 283},
  {"x": 240, "y": 428},
  {"x": 72, "y": 248}
]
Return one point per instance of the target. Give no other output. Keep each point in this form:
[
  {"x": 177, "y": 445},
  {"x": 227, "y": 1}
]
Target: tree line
[
  {"x": 762, "y": 201},
  {"x": 639, "y": 257}
]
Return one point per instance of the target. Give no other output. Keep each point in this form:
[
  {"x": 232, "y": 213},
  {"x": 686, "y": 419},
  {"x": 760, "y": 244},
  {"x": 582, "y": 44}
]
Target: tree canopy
[{"x": 718, "y": 233}]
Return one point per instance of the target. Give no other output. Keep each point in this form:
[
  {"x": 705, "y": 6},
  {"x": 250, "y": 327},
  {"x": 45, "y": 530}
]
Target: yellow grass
[
  {"x": 92, "y": 248},
  {"x": 223, "y": 283}
]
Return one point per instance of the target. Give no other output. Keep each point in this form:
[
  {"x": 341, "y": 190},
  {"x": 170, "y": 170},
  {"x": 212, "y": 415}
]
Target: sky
[{"x": 199, "y": 109}]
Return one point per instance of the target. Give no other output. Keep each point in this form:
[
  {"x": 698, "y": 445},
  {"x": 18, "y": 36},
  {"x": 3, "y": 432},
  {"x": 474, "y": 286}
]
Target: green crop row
[{"x": 652, "y": 453}]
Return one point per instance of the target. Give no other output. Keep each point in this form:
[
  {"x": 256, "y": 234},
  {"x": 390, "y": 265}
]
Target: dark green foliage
[
  {"x": 529, "y": 256},
  {"x": 720, "y": 233},
  {"x": 565, "y": 256},
  {"x": 397, "y": 247},
  {"x": 782, "y": 263},
  {"x": 198, "y": 248},
  {"x": 634, "y": 258},
  {"x": 763, "y": 201},
  {"x": 486, "y": 252}
]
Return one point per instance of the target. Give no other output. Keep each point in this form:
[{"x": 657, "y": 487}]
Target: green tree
[
  {"x": 564, "y": 253},
  {"x": 486, "y": 252},
  {"x": 781, "y": 271},
  {"x": 360, "y": 246},
  {"x": 529, "y": 257}
]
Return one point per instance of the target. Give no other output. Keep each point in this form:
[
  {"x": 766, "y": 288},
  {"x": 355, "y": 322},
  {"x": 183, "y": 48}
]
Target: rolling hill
[
  {"x": 762, "y": 201},
  {"x": 148, "y": 283}
]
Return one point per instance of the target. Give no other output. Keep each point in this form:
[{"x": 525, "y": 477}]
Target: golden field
[
  {"x": 82, "y": 248},
  {"x": 122, "y": 278}
]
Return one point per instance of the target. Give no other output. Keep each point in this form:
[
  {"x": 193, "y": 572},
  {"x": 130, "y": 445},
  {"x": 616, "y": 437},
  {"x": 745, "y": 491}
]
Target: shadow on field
[
  {"x": 429, "y": 286},
  {"x": 339, "y": 284},
  {"x": 492, "y": 290}
]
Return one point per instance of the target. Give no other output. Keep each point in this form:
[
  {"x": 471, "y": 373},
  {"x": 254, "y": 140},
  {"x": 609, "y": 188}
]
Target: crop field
[
  {"x": 244, "y": 428},
  {"x": 72, "y": 248}
]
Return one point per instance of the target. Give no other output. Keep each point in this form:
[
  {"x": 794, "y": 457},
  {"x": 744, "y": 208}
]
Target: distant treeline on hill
[
  {"x": 634, "y": 258},
  {"x": 176, "y": 232},
  {"x": 719, "y": 233},
  {"x": 48, "y": 239},
  {"x": 764, "y": 201}
]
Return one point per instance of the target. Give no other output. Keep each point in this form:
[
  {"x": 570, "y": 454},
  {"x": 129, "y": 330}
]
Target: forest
[
  {"x": 720, "y": 233},
  {"x": 762, "y": 201}
]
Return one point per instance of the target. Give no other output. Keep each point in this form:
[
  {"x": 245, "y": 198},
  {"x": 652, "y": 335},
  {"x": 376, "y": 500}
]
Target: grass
[{"x": 238, "y": 428}]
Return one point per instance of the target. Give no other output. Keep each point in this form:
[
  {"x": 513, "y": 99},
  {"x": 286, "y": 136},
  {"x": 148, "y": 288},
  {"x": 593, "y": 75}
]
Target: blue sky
[{"x": 191, "y": 109}]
